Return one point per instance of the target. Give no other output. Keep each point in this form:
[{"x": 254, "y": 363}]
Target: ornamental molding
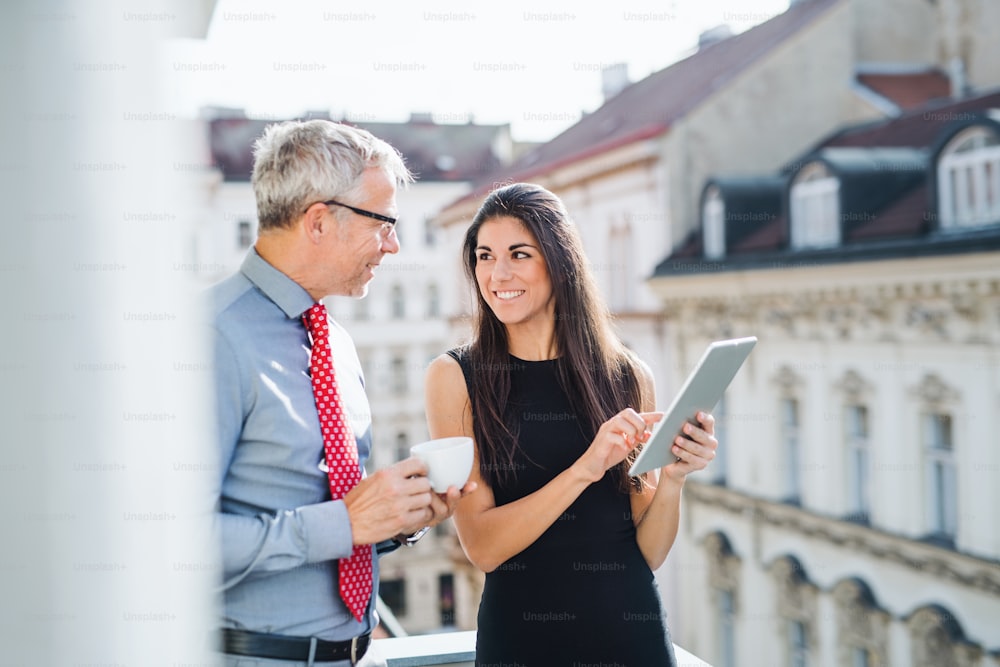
[
  {"x": 797, "y": 599},
  {"x": 723, "y": 565},
  {"x": 787, "y": 381},
  {"x": 854, "y": 387},
  {"x": 925, "y": 559},
  {"x": 933, "y": 392},
  {"x": 958, "y": 311},
  {"x": 938, "y": 640},
  {"x": 860, "y": 623}
]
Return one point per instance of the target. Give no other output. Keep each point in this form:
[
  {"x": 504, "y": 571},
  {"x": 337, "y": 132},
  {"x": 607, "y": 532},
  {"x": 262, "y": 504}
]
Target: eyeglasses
[{"x": 360, "y": 211}]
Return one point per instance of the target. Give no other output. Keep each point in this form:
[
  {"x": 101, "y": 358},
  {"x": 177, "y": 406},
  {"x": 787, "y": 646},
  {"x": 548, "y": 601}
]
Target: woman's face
[{"x": 511, "y": 272}]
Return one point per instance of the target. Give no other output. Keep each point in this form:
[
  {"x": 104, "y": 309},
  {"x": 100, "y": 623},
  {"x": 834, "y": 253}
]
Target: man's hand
[
  {"x": 398, "y": 500},
  {"x": 443, "y": 504}
]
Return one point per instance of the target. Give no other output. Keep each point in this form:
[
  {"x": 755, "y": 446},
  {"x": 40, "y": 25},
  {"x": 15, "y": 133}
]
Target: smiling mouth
[{"x": 509, "y": 294}]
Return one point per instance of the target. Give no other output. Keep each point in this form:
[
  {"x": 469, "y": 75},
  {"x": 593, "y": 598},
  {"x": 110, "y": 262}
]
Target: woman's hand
[
  {"x": 614, "y": 440},
  {"x": 694, "y": 449}
]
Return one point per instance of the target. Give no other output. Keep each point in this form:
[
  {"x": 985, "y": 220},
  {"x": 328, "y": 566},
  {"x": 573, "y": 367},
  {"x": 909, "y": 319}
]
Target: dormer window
[
  {"x": 969, "y": 179},
  {"x": 713, "y": 218},
  {"x": 815, "y": 208}
]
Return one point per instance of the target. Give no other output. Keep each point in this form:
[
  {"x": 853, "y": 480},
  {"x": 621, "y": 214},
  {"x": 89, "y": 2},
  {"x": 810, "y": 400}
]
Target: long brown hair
[{"x": 597, "y": 372}]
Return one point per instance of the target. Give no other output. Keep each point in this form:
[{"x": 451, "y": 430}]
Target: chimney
[
  {"x": 956, "y": 75},
  {"x": 714, "y": 35},
  {"x": 614, "y": 79}
]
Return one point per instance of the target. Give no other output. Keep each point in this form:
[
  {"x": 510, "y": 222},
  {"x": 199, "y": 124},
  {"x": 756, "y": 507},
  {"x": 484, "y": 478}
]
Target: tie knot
[{"x": 315, "y": 319}]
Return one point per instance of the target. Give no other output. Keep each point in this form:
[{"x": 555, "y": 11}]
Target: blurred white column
[{"x": 106, "y": 416}]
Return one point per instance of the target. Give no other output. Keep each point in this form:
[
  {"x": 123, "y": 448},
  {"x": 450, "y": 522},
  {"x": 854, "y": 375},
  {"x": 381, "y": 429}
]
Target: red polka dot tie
[{"x": 355, "y": 572}]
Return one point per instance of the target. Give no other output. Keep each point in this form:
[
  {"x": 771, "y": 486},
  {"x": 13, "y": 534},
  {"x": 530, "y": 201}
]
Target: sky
[{"x": 532, "y": 64}]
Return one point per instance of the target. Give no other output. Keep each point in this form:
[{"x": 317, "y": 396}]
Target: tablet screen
[{"x": 701, "y": 391}]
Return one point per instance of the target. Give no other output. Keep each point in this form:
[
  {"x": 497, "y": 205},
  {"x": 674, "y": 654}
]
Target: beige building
[{"x": 849, "y": 517}]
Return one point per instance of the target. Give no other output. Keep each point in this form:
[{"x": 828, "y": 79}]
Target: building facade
[
  {"x": 848, "y": 519},
  {"x": 740, "y": 112}
]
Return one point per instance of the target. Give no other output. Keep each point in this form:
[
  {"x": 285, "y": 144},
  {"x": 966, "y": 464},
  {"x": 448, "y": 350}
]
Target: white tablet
[{"x": 701, "y": 391}]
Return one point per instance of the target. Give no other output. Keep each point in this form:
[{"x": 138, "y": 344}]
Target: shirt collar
[{"x": 287, "y": 294}]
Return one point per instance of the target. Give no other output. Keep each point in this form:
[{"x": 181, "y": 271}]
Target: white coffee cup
[{"x": 448, "y": 460}]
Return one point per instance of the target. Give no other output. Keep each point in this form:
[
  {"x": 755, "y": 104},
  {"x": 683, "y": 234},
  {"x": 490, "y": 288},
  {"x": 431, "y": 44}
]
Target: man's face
[{"x": 359, "y": 243}]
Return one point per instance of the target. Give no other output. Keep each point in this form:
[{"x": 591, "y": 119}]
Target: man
[{"x": 300, "y": 579}]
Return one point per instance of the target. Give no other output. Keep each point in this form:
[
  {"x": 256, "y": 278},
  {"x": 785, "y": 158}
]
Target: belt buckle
[{"x": 354, "y": 650}]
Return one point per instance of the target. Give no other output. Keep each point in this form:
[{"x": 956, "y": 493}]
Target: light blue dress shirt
[{"x": 280, "y": 533}]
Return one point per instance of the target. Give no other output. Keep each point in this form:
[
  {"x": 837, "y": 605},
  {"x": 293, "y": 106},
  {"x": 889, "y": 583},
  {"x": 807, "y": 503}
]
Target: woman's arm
[
  {"x": 491, "y": 535},
  {"x": 656, "y": 509}
]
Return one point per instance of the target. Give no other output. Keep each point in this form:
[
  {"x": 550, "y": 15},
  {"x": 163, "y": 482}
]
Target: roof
[
  {"x": 885, "y": 170},
  {"x": 908, "y": 90},
  {"x": 433, "y": 151},
  {"x": 916, "y": 128},
  {"x": 649, "y": 107}
]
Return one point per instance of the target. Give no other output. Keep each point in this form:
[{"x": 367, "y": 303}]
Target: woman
[{"x": 557, "y": 407}]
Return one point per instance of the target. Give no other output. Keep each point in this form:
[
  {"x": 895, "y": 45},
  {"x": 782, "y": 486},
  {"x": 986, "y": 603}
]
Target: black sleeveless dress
[{"x": 582, "y": 593}]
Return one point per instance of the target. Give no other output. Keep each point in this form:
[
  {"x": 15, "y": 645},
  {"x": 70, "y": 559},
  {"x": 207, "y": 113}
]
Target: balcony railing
[{"x": 458, "y": 649}]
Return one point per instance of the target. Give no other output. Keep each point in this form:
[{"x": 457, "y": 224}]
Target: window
[
  {"x": 402, "y": 446},
  {"x": 713, "y": 220},
  {"x": 797, "y": 608},
  {"x": 724, "y": 580},
  {"x": 969, "y": 179},
  {"x": 362, "y": 312},
  {"x": 856, "y": 436},
  {"x": 393, "y": 594},
  {"x": 621, "y": 256},
  {"x": 790, "y": 448},
  {"x": 861, "y": 657},
  {"x": 798, "y": 644},
  {"x": 862, "y": 626},
  {"x": 400, "y": 383},
  {"x": 815, "y": 208},
  {"x": 364, "y": 357},
  {"x": 433, "y": 301},
  {"x": 937, "y": 638},
  {"x": 430, "y": 232},
  {"x": 939, "y": 457},
  {"x": 446, "y": 599},
  {"x": 244, "y": 235},
  {"x": 717, "y": 468},
  {"x": 726, "y": 623},
  {"x": 398, "y": 300}
]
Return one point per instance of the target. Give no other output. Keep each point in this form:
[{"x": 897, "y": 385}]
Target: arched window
[
  {"x": 713, "y": 220},
  {"x": 815, "y": 208},
  {"x": 723, "y": 577},
  {"x": 937, "y": 639},
  {"x": 797, "y": 600},
  {"x": 862, "y": 627},
  {"x": 968, "y": 174}
]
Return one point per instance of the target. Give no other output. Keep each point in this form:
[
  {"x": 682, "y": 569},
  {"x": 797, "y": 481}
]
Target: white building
[{"x": 850, "y": 517}]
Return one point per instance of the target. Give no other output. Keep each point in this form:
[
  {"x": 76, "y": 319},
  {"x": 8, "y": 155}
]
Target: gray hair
[{"x": 298, "y": 163}]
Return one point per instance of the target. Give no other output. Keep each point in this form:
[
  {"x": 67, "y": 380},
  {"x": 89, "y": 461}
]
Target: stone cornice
[
  {"x": 932, "y": 305},
  {"x": 975, "y": 275},
  {"x": 925, "y": 559}
]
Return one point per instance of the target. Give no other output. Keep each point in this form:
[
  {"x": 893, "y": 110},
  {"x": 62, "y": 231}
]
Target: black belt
[{"x": 284, "y": 647}]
